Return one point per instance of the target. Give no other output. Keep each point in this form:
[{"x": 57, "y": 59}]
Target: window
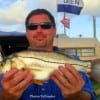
[
  {"x": 86, "y": 52},
  {"x": 82, "y": 52}
]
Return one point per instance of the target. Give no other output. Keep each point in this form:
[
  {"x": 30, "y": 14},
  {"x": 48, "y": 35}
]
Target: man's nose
[{"x": 39, "y": 28}]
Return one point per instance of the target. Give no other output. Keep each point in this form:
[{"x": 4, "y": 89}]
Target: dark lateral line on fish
[{"x": 49, "y": 61}]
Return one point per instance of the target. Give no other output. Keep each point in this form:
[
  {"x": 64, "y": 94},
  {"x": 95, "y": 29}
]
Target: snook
[{"x": 41, "y": 64}]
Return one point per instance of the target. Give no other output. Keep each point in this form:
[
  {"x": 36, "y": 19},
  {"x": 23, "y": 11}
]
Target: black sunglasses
[{"x": 43, "y": 25}]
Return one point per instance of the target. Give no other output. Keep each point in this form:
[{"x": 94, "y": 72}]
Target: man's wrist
[
  {"x": 4, "y": 97},
  {"x": 73, "y": 96},
  {"x": 82, "y": 95}
]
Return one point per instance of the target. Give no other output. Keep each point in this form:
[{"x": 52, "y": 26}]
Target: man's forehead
[{"x": 39, "y": 18}]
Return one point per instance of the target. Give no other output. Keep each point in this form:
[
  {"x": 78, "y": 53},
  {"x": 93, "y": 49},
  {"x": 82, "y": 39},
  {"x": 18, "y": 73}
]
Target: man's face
[{"x": 40, "y": 37}]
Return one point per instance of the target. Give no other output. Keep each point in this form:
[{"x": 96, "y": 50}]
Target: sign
[{"x": 70, "y": 6}]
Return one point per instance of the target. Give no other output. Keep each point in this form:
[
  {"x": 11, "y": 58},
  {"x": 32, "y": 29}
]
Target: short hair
[{"x": 40, "y": 11}]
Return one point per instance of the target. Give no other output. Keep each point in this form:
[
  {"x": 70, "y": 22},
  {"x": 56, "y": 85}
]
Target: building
[{"x": 85, "y": 48}]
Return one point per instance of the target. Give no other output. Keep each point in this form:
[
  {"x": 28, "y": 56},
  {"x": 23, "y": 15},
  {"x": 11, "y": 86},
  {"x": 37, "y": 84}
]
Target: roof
[{"x": 77, "y": 42}]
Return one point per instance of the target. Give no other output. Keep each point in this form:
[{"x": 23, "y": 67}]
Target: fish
[{"x": 41, "y": 64}]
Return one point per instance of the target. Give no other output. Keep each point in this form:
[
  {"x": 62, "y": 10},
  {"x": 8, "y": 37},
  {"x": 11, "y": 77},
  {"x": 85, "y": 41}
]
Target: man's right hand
[{"x": 14, "y": 83}]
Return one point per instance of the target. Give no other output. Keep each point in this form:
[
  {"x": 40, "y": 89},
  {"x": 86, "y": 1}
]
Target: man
[{"x": 65, "y": 83}]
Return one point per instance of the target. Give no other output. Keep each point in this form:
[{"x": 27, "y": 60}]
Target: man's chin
[
  {"x": 40, "y": 44},
  {"x": 40, "y": 47}
]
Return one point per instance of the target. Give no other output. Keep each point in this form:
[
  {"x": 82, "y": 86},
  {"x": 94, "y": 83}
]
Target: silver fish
[{"x": 40, "y": 63}]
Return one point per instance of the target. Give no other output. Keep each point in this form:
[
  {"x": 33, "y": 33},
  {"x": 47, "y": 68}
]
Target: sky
[{"x": 14, "y": 12}]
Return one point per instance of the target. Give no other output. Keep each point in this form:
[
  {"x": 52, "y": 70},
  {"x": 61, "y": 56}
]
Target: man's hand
[
  {"x": 14, "y": 83},
  {"x": 68, "y": 80}
]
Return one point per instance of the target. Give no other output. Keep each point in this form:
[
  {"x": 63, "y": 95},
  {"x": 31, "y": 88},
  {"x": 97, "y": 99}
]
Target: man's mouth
[{"x": 40, "y": 38}]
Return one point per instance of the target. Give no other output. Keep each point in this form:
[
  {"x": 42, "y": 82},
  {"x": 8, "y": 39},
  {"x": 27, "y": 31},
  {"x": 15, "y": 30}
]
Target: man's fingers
[
  {"x": 8, "y": 75},
  {"x": 56, "y": 80},
  {"x": 23, "y": 84},
  {"x": 18, "y": 77}
]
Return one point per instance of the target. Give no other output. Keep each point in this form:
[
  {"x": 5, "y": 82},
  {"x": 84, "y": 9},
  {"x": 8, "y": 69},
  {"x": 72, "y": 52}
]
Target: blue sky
[{"x": 14, "y": 12}]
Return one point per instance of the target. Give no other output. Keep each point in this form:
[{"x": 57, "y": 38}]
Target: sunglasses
[{"x": 43, "y": 25}]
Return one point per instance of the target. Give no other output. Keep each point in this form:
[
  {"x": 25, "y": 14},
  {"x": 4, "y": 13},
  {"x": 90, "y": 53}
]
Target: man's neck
[{"x": 41, "y": 49}]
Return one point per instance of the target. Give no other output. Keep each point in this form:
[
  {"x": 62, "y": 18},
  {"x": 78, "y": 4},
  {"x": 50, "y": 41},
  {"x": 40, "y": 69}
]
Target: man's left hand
[{"x": 68, "y": 80}]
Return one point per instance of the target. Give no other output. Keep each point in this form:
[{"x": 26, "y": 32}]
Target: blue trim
[{"x": 69, "y": 8}]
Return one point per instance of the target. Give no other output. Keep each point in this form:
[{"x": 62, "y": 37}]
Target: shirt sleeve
[{"x": 88, "y": 86}]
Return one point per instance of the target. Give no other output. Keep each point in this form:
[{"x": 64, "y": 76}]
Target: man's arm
[
  {"x": 2, "y": 97},
  {"x": 72, "y": 83},
  {"x": 83, "y": 95}
]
